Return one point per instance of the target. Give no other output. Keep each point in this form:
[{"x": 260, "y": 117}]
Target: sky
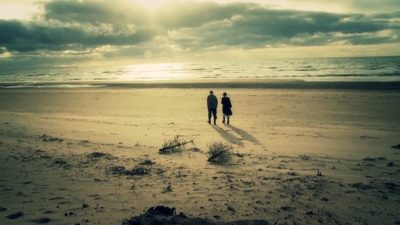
[{"x": 72, "y": 31}]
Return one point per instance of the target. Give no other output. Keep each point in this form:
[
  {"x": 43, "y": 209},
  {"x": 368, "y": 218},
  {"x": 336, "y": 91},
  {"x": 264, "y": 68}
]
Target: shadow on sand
[
  {"x": 245, "y": 135},
  {"x": 227, "y": 136}
]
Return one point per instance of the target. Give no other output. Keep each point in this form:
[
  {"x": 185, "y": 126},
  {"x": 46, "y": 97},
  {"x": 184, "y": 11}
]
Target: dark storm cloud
[
  {"x": 255, "y": 26},
  {"x": 370, "y": 5},
  {"x": 77, "y": 25},
  {"x": 18, "y": 36}
]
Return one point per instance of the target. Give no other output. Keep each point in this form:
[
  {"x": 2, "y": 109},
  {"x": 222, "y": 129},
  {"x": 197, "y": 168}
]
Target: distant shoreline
[{"x": 258, "y": 84}]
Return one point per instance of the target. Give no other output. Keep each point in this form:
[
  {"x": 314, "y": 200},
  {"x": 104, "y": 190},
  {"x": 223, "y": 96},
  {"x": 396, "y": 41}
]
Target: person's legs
[
  {"x": 228, "y": 119},
  {"x": 214, "y": 111},
  {"x": 209, "y": 115},
  {"x": 223, "y": 118}
]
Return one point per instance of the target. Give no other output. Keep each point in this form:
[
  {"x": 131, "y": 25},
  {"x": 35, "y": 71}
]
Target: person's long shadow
[
  {"x": 227, "y": 136},
  {"x": 245, "y": 135}
]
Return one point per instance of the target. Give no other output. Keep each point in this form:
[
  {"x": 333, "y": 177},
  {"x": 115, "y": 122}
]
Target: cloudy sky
[{"x": 162, "y": 30}]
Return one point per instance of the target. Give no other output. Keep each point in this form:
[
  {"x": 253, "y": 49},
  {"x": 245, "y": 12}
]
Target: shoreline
[{"x": 221, "y": 83}]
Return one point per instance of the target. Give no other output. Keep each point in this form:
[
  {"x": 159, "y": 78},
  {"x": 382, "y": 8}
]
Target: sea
[{"x": 354, "y": 69}]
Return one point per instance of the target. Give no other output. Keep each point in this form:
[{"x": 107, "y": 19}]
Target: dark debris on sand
[
  {"x": 42, "y": 220},
  {"x": 98, "y": 155},
  {"x": 14, "y": 216},
  {"x": 136, "y": 171},
  {"x": 396, "y": 146},
  {"x": 390, "y": 164},
  {"x": 361, "y": 186},
  {"x": 145, "y": 167},
  {"x": 147, "y": 162},
  {"x": 47, "y": 138},
  {"x": 371, "y": 159},
  {"x": 168, "y": 216},
  {"x": 391, "y": 186},
  {"x": 62, "y": 163}
]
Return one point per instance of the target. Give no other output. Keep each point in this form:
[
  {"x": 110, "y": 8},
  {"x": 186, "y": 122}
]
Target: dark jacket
[
  {"x": 212, "y": 102},
  {"x": 226, "y": 106}
]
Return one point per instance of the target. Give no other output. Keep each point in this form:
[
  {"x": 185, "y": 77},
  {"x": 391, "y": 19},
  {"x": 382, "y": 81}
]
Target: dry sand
[{"x": 280, "y": 138}]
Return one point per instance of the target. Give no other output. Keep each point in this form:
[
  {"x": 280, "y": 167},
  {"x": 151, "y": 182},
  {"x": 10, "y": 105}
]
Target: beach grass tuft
[
  {"x": 174, "y": 145},
  {"x": 219, "y": 152}
]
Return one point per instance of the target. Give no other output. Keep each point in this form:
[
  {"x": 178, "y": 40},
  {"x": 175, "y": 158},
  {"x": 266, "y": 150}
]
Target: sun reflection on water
[{"x": 160, "y": 71}]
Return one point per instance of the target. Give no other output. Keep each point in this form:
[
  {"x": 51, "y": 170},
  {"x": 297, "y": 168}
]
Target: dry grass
[
  {"x": 172, "y": 146},
  {"x": 219, "y": 152}
]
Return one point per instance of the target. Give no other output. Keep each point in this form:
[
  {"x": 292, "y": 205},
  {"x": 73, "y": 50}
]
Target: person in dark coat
[
  {"x": 212, "y": 104},
  {"x": 226, "y": 108}
]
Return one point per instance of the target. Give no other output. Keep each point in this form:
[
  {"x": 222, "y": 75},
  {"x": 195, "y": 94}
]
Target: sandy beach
[{"x": 299, "y": 156}]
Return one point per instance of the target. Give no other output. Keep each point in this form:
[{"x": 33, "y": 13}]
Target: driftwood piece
[
  {"x": 164, "y": 149},
  {"x": 217, "y": 155}
]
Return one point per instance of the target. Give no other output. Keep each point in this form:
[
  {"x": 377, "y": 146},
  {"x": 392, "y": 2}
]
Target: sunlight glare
[
  {"x": 17, "y": 10},
  {"x": 161, "y": 71},
  {"x": 149, "y": 4}
]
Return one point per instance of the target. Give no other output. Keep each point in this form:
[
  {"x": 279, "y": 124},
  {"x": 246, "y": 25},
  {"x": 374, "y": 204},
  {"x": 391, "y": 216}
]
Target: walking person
[
  {"x": 226, "y": 108},
  {"x": 212, "y": 104}
]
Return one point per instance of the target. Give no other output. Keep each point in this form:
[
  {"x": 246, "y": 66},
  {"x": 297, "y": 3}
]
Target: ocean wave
[
  {"x": 210, "y": 83},
  {"x": 357, "y": 75},
  {"x": 373, "y": 68}
]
